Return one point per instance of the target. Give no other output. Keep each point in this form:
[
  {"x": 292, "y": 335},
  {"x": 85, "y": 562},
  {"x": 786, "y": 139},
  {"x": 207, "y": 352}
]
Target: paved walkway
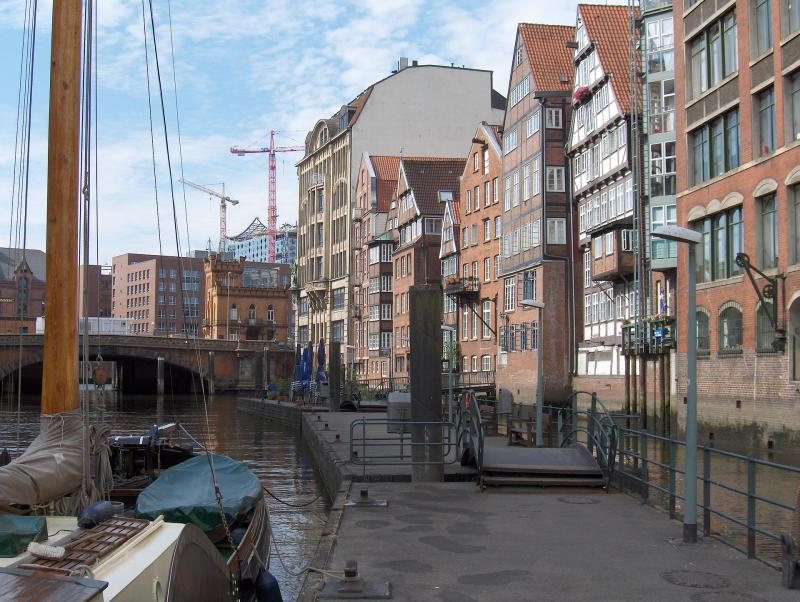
[{"x": 448, "y": 542}]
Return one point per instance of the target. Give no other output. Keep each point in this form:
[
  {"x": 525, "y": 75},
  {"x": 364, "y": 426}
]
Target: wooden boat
[{"x": 121, "y": 558}]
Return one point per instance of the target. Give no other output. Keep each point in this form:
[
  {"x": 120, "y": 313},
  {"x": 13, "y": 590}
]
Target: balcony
[
  {"x": 613, "y": 266},
  {"x": 319, "y": 285},
  {"x": 655, "y": 336},
  {"x": 358, "y": 214},
  {"x": 254, "y": 322},
  {"x": 467, "y": 286}
]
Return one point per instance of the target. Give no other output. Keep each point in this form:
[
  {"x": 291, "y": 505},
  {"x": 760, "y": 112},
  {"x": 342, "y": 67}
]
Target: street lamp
[
  {"x": 539, "y": 367},
  {"x": 691, "y": 238},
  {"x": 452, "y": 331}
]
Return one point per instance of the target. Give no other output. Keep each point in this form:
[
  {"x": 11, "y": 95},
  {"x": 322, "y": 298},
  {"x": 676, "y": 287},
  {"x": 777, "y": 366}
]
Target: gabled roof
[
  {"x": 386, "y": 168},
  {"x": 607, "y": 27},
  {"x": 548, "y": 55},
  {"x": 427, "y": 176},
  {"x": 11, "y": 258}
]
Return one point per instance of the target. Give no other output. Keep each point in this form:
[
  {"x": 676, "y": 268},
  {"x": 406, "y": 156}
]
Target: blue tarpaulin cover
[
  {"x": 16, "y": 532},
  {"x": 185, "y": 493}
]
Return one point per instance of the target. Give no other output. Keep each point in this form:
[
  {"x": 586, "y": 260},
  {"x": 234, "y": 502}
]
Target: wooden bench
[{"x": 521, "y": 430}]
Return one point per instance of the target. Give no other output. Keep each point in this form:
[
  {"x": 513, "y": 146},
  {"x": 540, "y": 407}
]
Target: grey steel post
[
  {"x": 706, "y": 490},
  {"x": 590, "y": 423},
  {"x": 160, "y": 375},
  {"x": 425, "y": 382},
  {"x": 690, "y": 486},
  {"x": 210, "y": 372},
  {"x": 751, "y": 508},
  {"x": 539, "y": 378}
]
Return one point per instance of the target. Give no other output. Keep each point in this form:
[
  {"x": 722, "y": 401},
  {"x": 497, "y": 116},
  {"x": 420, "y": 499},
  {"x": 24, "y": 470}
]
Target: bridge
[{"x": 222, "y": 365}]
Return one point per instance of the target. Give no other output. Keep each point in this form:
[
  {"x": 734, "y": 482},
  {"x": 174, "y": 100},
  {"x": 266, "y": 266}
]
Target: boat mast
[{"x": 60, "y": 372}]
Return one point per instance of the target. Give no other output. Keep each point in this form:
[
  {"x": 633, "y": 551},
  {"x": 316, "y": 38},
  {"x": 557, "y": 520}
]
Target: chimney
[{"x": 402, "y": 63}]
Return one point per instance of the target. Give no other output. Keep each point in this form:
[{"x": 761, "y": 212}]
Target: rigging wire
[
  {"x": 152, "y": 137},
  {"x": 178, "y": 124}
]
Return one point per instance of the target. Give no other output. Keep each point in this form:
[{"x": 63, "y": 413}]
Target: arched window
[
  {"x": 730, "y": 330},
  {"x": 270, "y": 313},
  {"x": 703, "y": 334},
  {"x": 765, "y": 331},
  {"x": 234, "y": 312},
  {"x": 22, "y": 297},
  {"x": 251, "y": 312}
]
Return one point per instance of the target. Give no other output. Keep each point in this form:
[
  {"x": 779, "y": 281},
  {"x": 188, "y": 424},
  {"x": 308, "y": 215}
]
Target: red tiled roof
[
  {"x": 607, "y": 27},
  {"x": 359, "y": 103},
  {"x": 548, "y": 55},
  {"x": 386, "y": 168},
  {"x": 496, "y": 129},
  {"x": 427, "y": 176}
]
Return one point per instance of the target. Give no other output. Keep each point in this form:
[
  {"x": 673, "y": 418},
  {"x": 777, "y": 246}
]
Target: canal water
[{"x": 274, "y": 452}]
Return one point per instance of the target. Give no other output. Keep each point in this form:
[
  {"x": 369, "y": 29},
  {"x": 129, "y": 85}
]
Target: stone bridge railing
[{"x": 150, "y": 342}]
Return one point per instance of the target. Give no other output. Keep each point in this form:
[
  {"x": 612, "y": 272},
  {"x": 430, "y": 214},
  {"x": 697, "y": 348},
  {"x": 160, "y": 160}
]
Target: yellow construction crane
[{"x": 223, "y": 228}]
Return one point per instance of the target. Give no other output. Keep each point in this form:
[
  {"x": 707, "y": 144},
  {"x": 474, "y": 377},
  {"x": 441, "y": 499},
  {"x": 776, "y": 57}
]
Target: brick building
[
  {"x": 538, "y": 231},
  {"x": 246, "y": 300},
  {"x": 469, "y": 256},
  {"x": 415, "y": 220},
  {"x": 426, "y": 110},
  {"x": 160, "y": 295},
  {"x": 100, "y": 284},
  {"x": 737, "y": 68},
  {"x": 372, "y": 265},
  {"x": 603, "y": 189},
  {"x": 22, "y": 277}
]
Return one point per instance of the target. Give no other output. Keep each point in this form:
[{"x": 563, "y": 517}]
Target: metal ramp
[
  {"x": 543, "y": 466},
  {"x": 574, "y": 463}
]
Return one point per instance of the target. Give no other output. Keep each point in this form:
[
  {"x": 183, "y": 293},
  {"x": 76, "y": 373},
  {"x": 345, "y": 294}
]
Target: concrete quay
[{"x": 450, "y": 542}]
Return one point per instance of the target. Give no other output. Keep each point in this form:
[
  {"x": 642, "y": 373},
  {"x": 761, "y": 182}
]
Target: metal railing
[
  {"x": 387, "y": 442},
  {"x": 638, "y": 465}
]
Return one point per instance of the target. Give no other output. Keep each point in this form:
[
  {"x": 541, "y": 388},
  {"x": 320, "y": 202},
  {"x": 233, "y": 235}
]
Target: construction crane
[
  {"x": 223, "y": 199},
  {"x": 272, "y": 208}
]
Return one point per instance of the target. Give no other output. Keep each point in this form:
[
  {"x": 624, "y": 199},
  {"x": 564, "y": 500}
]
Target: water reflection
[{"x": 275, "y": 453}]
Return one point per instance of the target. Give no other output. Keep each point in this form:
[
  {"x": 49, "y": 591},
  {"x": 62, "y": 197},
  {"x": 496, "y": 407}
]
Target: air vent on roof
[
  {"x": 563, "y": 79},
  {"x": 573, "y": 45}
]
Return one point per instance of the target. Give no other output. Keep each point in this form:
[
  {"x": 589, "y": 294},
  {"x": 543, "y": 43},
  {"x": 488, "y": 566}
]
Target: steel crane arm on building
[
  {"x": 235, "y": 150},
  {"x": 222, "y": 197}
]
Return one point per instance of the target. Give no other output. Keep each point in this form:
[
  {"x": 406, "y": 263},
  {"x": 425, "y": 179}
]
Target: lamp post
[
  {"x": 691, "y": 238},
  {"x": 452, "y": 331},
  {"x": 539, "y": 367}
]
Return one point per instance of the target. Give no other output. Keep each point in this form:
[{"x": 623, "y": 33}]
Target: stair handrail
[{"x": 470, "y": 427}]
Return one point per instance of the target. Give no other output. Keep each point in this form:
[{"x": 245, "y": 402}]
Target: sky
[{"x": 242, "y": 68}]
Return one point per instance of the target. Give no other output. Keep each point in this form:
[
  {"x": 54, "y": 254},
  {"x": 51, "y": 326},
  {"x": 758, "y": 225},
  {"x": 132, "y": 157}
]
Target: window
[
  {"x": 338, "y": 298},
  {"x": 474, "y": 363},
  {"x": 660, "y": 53},
  {"x": 532, "y": 124},
  {"x": 661, "y": 104},
  {"x": 761, "y": 31},
  {"x": 386, "y": 340},
  {"x": 769, "y": 232},
  {"x": 535, "y": 181},
  {"x": 715, "y": 147},
  {"x": 518, "y": 57},
  {"x": 251, "y": 312},
  {"x": 495, "y": 194},
  {"x": 529, "y": 284},
  {"x": 515, "y": 195},
  {"x": 627, "y": 240},
  {"x": 486, "y": 363},
  {"x": 663, "y": 216},
  {"x": 465, "y": 322},
  {"x": 556, "y": 231},
  {"x": 498, "y": 228},
  {"x": 464, "y": 238},
  {"x": 487, "y": 269},
  {"x": 765, "y": 105},
  {"x": 662, "y": 169},
  {"x": 765, "y": 331},
  {"x": 730, "y": 330},
  {"x": 597, "y": 247},
  {"x": 507, "y": 194},
  {"x": 723, "y": 239},
  {"x": 795, "y": 195},
  {"x": 386, "y": 283},
  {"x": 609, "y": 243},
  {"x": 477, "y": 198},
  {"x": 509, "y": 141},
  {"x": 496, "y": 266},
  {"x": 520, "y": 91},
  {"x": 526, "y": 181},
  {"x": 510, "y": 294},
  {"x": 587, "y": 269},
  {"x": 473, "y": 237},
  {"x": 486, "y": 161},
  {"x": 792, "y": 111},
  {"x": 487, "y": 193},
  {"x": 475, "y": 162},
  {"x": 555, "y": 179},
  {"x": 386, "y": 311},
  {"x": 713, "y": 54},
  {"x": 703, "y": 335},
  {"x": 487, "y": 230},
  {"x": 535, "y": 238},
  {"x": 553, "y": 118}
]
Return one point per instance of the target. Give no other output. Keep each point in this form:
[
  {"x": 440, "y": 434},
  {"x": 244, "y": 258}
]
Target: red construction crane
[{"x": 272, "y": 208}]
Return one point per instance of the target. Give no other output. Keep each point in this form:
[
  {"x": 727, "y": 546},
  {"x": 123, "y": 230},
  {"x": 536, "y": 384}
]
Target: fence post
[
  {"x": 706, "y": 490},
  {"x": 645, "y": 475},
  {"x": 560, "y": 426},
  {"x": 672, "y": 479},
  {"x": 751, "y": 507},
  {"x": 592, "y": 410},
  {"x": 574, "y": 424}
]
